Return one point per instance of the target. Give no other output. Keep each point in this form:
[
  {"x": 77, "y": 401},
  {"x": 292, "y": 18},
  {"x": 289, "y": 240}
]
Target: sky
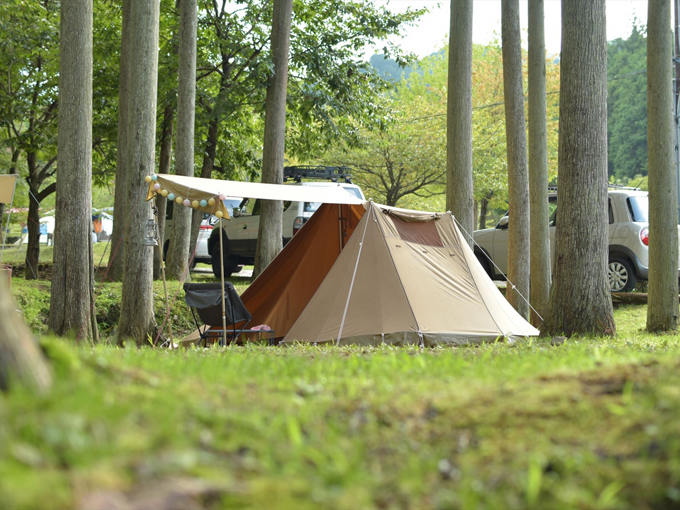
[{"x": 432, "y": 31}]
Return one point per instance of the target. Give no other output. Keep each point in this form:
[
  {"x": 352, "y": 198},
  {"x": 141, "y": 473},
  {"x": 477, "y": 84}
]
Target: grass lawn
[{"x": 592, "y": 423}]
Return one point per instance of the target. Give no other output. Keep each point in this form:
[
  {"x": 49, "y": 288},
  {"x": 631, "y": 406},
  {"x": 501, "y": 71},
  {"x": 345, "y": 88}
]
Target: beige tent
[{"x": 394, "y": 276}]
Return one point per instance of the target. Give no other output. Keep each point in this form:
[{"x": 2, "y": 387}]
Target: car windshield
[{"x": 639, "y": 209}]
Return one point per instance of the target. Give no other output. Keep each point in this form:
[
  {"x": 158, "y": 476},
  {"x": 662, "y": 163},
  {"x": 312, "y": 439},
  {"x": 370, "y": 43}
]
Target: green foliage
[
  {"x": 405, "y": 163},
  {"x": 589, "y": 424},
  {"x": 627, "y": 105}
]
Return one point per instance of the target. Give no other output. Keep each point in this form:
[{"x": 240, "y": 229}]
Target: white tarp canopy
[{"x": 196, "y": 188}]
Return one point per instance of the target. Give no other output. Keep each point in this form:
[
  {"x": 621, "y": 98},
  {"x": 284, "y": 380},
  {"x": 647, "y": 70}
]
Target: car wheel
[
  {"x": 621, "y": 275},
  {"x": 215, "y": 256}
]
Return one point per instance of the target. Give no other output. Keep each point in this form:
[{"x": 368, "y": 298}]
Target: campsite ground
[{"x": 591, "y": 423}]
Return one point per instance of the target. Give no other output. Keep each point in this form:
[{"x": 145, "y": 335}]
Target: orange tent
[{"x": 279, "y": 295}]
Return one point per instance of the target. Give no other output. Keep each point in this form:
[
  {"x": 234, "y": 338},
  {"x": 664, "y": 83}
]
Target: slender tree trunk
[
  {"x": 164, "y": 161},
  {"x": 662, "y": 310},
  {"x": 178, "y": 253},
  {"x": 206, "y": 173},
  {"x": 33, "y": 223},
  {"x": 136, "y": 314},
  {"x": 270, "y": 236},
  {"x": 538, "y": 164},
  {"x": 21, "y": 359},
  {"x": 580, "y": 302},
  {"x": 117, "y": 255},
  {"x": 72, "y": 292},
  {"x": 518, "y": 178},
  {"x": 459, "y": 196},
  {"x": 484, "y": 210}
]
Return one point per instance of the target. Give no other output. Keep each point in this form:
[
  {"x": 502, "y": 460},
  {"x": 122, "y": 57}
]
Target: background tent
[{"x": 394, "y": 276}]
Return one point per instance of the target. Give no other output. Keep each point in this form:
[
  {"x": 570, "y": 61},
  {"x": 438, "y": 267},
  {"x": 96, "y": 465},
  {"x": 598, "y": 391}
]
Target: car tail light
[
  {"x": 644, "y": 236},
  {"x": 206, "y": 227},
  {"x": 297, "y": 224}
]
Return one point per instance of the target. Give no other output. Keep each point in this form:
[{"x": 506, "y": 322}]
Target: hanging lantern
[{"x": 150, "y": 239}]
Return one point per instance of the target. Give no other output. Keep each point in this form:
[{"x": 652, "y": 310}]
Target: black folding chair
[{"x": 205, "y": 299}]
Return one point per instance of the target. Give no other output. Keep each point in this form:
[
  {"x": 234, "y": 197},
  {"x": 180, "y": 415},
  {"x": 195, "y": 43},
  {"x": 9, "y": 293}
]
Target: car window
[
  {"x": 638, "y": 207},
  {"x": 552, "y": 211},
  {"x": 354, "y": 191},
  {"x": 286, "y": 205},
  {"x": 312, "y": 206},
  {"x": 611, "y": 213},
  {"x": 256, "y": 207},
  {"x": 168, "y": 210}
]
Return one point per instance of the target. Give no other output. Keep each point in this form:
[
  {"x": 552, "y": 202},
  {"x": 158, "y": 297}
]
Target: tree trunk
[
  {"x": 538, "y": 165},
  {"x": 33, "y": 223},
  {"x": 178, "y": 253},
  {"x": 164, "y": 161},
  {"x": 72, "y": 293},
  {"x": 579, "y": 299},
  {"x": 270, "y": 236},
  {"x": 20, "y": 356},
  {"x": 518, "y": 178},
  {"x": 484, "y": 210},
  {"x": 662, "y": 312},
  {"x": 459, "y": 196},
  {"x": 117, "y": 254},
  {"x": 206, "y": 173},
  {"x": 136, "y": 314}
]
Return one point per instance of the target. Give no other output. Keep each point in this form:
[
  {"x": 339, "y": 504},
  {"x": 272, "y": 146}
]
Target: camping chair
[{"x": 205, "y": 299}]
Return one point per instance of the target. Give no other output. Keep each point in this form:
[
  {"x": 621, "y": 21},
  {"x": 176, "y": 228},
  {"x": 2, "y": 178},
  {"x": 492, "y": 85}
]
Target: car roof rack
[
  {"x": 332, "y": 173},
  {"x": 615, "y": 186}
]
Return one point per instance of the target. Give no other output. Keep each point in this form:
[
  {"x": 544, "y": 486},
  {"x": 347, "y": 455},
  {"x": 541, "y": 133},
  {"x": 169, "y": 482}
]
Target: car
[
  {"x": 628, "y": 240},
  {"x": 202, "y": 254},
  {"x": 239, "y": 235}
]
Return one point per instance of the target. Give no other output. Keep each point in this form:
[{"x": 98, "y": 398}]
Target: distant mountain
[{"x": 388, "y": 69}]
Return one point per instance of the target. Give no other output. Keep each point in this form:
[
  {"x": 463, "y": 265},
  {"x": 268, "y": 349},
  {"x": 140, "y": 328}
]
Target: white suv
[
  {"x": 628, "y": 240},
  {"x": 240, "y": 233}
]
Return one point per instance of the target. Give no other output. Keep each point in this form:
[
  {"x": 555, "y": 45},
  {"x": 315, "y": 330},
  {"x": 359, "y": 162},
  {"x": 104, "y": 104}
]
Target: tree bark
[
  {"x": 164, "y": 161},
  {"x": 136, "y": 314},
  {"x": 21, "y": 359},
  {"x": 459, "y": 195},
  {"x": 178, "y": 252},
  {"x": 33, "y": 224},
  {"x": 538, "y": 165},
  {"x": 72, "y": 292},
  {"x": 662, "y": 312},
  {"x": 518, "y": 179},
  {"x": 117, "y": 254},
  {"x": 270, "y": 235},
  {"x": 580, "y": 302}
]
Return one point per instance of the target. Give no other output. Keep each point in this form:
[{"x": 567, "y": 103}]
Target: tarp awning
[
  {"x": 196, "y": 188},
  {"x": 7, "y": 183}
]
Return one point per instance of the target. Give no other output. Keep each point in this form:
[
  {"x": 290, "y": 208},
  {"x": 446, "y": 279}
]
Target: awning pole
[
  {"x": 224, "y": 313},
  {"x": 9, "y": 216},
  {"x": 165, "y": 285}
]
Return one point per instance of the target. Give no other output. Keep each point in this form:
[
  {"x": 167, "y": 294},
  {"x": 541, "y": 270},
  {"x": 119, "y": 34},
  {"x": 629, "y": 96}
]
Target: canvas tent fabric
[
  {"x": 385, "y": 275},
  {"x": 196, "y": 188},
  {"x": 7, "y": 183},
  {"x": 407, "y": 278}
]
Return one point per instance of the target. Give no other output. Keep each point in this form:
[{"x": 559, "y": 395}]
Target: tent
[{"x": 385, "y": 275}]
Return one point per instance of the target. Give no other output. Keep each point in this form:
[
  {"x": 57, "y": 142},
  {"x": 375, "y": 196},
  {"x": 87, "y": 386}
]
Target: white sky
[{"x": 432, "y": 31}]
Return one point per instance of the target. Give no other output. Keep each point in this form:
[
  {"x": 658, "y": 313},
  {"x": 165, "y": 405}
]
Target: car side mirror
[
  {"x": 236, "y": 212},
  {"x": 503, "y": 223}
]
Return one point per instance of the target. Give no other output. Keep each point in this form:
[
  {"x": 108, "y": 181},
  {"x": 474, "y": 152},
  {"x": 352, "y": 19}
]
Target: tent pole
[
  {"x": 224, "y": 315},
  {"x": 9, "y": 216},
  {"x": 340, "y": 228},
  {"x": 165, "y": 285}
]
